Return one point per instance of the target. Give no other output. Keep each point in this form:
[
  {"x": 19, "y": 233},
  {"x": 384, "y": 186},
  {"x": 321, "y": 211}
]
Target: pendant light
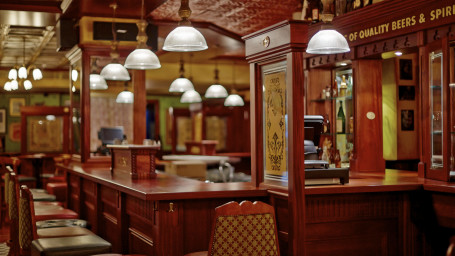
[
  {"x": 142, "y": 57},
  {"x": 97, "y": 82},
  {"x": 114, "y": 70},
  {"x": 190, "y": 96},
  {"x": 327, "y": 40},
  {"x": 125, "y": 96},
  {"x": 233, "y": 100},
  {"x": 181, "y": 84},
  {"x": 216, "y": 90},
  {"x": 185, "y": 38}
]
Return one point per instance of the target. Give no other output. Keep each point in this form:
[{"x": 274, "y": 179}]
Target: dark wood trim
[{"x": 139, "y": 106}]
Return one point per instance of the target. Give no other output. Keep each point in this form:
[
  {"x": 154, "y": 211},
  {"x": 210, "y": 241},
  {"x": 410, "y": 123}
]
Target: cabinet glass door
[
  {"x": 344, "y": 115},
  {"x": 436, "y": 103}
]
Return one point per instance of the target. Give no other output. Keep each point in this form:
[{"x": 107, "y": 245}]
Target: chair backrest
[
  {"x": 13, "y": 211},
  {"x": 27, "y": 229},
  {"x": 244, "y": 229},
  {"x": 6, "y": 187}
]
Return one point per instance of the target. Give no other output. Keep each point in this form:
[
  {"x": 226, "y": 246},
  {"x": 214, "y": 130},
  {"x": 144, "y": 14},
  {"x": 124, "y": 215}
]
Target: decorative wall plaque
[{"x": 275, "y": 123}]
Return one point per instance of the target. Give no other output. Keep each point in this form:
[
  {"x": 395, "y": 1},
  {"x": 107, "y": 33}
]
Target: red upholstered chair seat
[
  {"x": 48, "y": 214},
  {"x": 39, "y": 203},
  {"x": 62, "y": 232},
  {"x": 58, "y": 189}
]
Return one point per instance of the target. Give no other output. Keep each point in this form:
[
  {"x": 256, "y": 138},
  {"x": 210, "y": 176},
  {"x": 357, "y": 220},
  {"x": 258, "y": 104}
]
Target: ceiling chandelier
[
  {"x": 97, "y": 82},
  {"x": 181, "y": 84},
  {"x": 142, "y": 57},
  {"x": 185, "y": 38},
  {"x": 115, "y": 71},
  {"x": 21, "y": 74},
  {"x": 233, "y": 100},
  {"x": 327, "y": 40},
  {"x": 216, "y": 90}
]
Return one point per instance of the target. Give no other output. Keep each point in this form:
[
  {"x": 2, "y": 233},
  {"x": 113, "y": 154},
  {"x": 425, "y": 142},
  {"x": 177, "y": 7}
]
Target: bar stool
[{"x": 79, "y": 241}]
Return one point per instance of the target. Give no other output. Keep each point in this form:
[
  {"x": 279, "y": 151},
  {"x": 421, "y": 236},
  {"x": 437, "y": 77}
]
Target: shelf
[
  {"x": 349, "y": 97},
  {"x": 321, "y": 100},
  {"x": 435, "y": 87},
  {"x": 345, "y": 133},
  {"x": 437, "y": 132}
]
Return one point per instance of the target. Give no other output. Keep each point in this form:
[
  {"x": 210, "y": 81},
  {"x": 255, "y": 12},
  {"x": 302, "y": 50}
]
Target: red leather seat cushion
[
  {"x": 58, "y": 189},
  {"x": 48, "y": 214},
  {"x": 78, "y": 245},
  {"x": 62, "y": 232},
  {"x": 57, "y": 179},
  {"x": 41, "y": 208},
  {"x": 40, "y": 203}
]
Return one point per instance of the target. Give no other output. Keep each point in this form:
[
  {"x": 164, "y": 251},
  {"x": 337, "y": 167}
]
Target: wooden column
[
  {"x": 139, "y": 106},
  {"x": 367, "y": 116}
]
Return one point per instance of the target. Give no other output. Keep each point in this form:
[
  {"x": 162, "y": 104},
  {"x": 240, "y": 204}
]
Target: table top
[{"x": 198, "y": 158}]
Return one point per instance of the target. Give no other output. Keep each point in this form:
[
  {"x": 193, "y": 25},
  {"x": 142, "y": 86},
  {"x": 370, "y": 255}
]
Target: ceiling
[{"x": 28, "y": 36}]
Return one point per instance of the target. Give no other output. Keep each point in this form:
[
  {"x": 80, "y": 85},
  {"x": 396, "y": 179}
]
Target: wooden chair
[
  {"x": 27, "y": 227},
  {"x": 243, "y": 229},
  {"x": 451, "y": 249}
]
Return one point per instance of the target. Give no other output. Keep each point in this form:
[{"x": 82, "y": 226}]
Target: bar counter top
[
  {"x": 165, "y": 186},
  {"x": 170, "y": 187}
]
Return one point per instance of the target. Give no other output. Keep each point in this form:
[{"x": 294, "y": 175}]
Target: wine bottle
[
  {"x": 341, "y": 120},
  {"x": 315, "y": 12}
]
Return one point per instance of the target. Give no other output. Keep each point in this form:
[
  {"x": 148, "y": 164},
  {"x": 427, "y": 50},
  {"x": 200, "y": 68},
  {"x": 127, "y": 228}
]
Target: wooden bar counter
[{"x": 382, "y": 212}]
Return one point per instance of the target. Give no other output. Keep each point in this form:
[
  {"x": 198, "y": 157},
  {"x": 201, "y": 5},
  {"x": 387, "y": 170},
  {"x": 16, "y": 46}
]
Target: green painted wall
[
  {"x": 165, "y": 103},
  {"x": 31, "y": 99}
]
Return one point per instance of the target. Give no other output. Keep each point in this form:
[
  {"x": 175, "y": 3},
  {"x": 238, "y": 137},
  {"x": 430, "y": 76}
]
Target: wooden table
[{"x": 37, "y": 162}]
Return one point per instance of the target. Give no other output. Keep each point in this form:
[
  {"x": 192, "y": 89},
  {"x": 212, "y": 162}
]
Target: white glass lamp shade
[
  {"x": 12, "y": 74},
  {"x": 327, "y": 41},
  {"x": 234, "y": 100},
  {"x": 14, "y": 85},
  {"x": 22, "y": 72},
  {"x": 185, "y": 39},
  {"x": 115, "y": 71},
  {"x": 7, "y": 86},
  {"x": 190, "y": 96},
  {"x": 97, "y": 82},
  {"x": 216, "y": 91},
  {"x": 142, "y": 59},
  {"x": 38, "y": 75},
  {"x": 181, "y": 85},
  {"x": 125, "y": 97},
  {"x": 28, "y": 85},
  {"x": 74, "y": 75}
]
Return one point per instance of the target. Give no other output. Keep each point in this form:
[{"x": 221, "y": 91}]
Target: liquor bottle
[
  {"x": 341, "y": 120},
  {"x": 326, "y": 124}
]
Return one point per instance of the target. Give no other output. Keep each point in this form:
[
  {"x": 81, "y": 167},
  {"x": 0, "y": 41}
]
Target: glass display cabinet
[{"x": 439, "y": 108}]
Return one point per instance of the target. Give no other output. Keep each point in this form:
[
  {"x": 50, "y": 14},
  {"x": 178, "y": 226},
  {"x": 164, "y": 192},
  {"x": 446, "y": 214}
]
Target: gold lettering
[
  {"x": 361, "y": 34},
  {"x": 413, "y": 19},
  {"x": 387, "y": 27},
  {"x": 408, "y": 22},
  {"x": 432, "y": 15},
  {"x": 394, "y": 25},
  {"x": 448, "y": 10},
  {"x": 438, "y": 13},
  {"x": 376, "y": 31}
]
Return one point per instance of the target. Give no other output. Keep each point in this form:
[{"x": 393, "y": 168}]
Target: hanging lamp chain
[
  {"x": 114, "y": 53},
  {"x": 142, "y": 35},
  {"x": 233, "y": 91},
  {"x": 185, "y": 13},
  {"x": 216, "y": 74},
  {"x": 182, "y": 70},
  {"x": 23, "y": 53}
]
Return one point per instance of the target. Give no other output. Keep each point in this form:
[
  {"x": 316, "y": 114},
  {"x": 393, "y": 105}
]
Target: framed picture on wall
[
  {"x": 407, "y": 120},
  {"x": 15, "y": 105},
  {"x": 406, "y": 70},
  {"x": 2, "y": 120},
  {"x": 406, "y": 92}
]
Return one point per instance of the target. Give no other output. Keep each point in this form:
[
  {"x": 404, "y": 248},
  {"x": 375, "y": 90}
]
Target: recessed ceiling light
[{"x": 398, "y": 53}]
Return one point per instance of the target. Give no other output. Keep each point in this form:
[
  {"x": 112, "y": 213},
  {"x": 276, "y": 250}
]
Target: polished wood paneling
[{"x": 368, "y": 153}]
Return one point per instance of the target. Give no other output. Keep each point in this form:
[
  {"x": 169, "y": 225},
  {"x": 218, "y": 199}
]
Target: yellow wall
[{"x": 389, "y": 110}]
